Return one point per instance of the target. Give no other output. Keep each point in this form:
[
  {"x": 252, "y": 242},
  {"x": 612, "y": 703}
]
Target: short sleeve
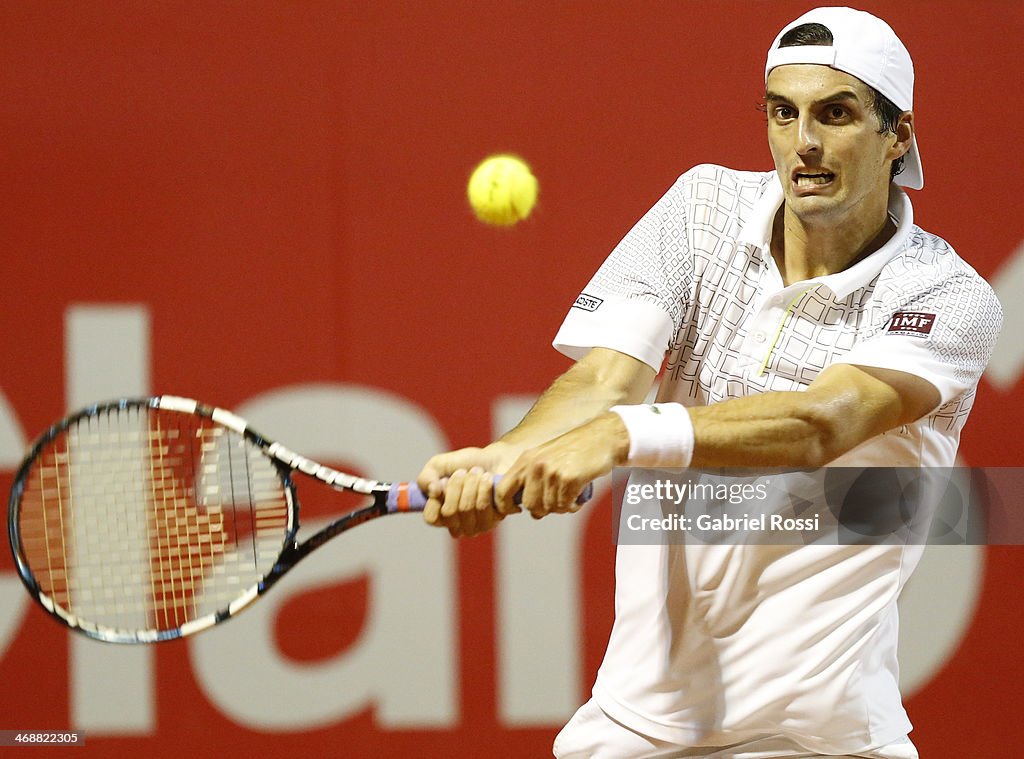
[
  {"x": 635, "y": 302},
  {"x": 945, "y": 334}
]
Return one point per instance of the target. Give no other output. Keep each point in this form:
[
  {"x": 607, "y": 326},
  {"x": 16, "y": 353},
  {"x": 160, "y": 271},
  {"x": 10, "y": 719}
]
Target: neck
[{"x": 804, "y": 249}]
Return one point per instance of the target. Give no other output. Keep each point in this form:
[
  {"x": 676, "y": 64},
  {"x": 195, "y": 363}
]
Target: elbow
[
  {"x": 619, "y": 377},
  {"x": 831, "y": 431},
  {"x": 818, "y": 454},
  {"x": 817, "y": 446}
]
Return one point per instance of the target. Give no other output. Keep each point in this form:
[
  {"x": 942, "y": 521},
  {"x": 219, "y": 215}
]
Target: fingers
[
  {"x": 506, "y": 493},
  {"x": 450, "y": 501},
  {"x": 540, "y": 488},
  {"x": 553, "y": 475},
  {"x": 463, "y": 503},
  {"x": 444, "y": 464},
  {"x": 435, "y": 493},
  {"x": 462, "y": 497},
  {"x": 434, "y": 479}
]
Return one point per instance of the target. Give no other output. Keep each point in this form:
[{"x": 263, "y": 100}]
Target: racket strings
[
  {"x": 177, "y": 534},
  {"x": 140, "y": 519}
]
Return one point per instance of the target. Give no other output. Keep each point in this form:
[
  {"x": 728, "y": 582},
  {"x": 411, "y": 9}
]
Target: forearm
[
  {"x": 461, "y": 493},
  {"x": 843, "y": 408},
  {"x": 590, "y": 387},
  {"x": 773, "y": 429}
]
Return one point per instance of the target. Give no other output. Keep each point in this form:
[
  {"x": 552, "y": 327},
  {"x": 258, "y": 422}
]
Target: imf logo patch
[
  {"x": 911, "y": 323},
  {"x": 587, "y": 302}
]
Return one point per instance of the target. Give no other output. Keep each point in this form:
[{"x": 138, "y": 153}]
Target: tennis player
[{"x": 806, "y": 320}]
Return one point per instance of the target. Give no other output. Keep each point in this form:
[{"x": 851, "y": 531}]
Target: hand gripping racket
[{"x": 145, "y": 520}]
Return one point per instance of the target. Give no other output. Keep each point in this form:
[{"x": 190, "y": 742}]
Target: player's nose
[{"x": 808, "y": 139}]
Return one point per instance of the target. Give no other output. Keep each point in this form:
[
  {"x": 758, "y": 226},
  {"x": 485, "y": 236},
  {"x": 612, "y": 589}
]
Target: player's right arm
[{"x": 459, "y": 483}]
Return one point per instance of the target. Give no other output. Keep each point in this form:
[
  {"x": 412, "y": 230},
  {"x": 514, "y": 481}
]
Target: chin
[{"x": 812, "y": 206}]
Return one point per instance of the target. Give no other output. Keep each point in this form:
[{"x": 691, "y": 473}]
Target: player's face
[{"x": 824, "y": 139}]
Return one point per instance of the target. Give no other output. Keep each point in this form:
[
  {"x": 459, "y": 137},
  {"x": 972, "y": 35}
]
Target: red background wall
[{"x": 281, "y": 187}]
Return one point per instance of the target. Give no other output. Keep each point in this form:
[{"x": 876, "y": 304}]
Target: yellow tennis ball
[{"x": 502, "y": 190}]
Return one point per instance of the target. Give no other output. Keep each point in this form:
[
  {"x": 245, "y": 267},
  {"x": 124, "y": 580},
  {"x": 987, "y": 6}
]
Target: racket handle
[{"x": 407, "y": 496}]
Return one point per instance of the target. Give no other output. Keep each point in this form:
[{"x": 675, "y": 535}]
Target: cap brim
[{"x": 912, "y": 176}]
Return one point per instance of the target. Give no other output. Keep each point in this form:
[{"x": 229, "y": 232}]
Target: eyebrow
[{"x": 774, "y": 97}]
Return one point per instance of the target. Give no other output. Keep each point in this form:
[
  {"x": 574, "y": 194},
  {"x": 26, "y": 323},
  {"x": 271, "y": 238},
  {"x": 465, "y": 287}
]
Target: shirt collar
[{"x": 757, "y": 231}]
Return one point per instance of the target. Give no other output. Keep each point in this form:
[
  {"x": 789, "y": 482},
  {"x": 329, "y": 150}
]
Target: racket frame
[{"x": 388, "y": 498}]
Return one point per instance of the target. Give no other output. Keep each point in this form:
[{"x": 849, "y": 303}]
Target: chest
[{"x": 746, "y": 332}]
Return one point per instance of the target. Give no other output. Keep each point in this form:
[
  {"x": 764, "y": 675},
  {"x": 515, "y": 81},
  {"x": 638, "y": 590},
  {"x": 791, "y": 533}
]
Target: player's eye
[
  {"x": 836, "y": 113},
  {"x": 784, "y": 113}
]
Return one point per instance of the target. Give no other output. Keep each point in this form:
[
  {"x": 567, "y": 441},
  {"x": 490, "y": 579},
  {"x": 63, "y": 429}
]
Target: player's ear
[{"x": 904, "y": 135}]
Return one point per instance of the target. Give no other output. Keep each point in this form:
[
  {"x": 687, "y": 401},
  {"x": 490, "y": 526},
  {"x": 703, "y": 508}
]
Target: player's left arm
[
  {"x": 887, "y": 380},
  {"x": 844, "y": 407}
]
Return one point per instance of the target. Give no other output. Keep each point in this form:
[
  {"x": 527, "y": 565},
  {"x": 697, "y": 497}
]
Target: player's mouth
[{"x": 812, "y": 180}]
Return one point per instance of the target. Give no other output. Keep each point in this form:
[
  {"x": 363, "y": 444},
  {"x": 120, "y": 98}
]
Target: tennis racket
[{"x": 145, "y": 520}]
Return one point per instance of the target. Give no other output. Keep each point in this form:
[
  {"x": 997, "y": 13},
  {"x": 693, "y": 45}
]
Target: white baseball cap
[{"x": 865, "y": 47}]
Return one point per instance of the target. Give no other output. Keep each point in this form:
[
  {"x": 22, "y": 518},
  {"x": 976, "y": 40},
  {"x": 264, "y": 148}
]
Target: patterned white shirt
[
  {"x": 695, "y": 277},
  {"x": 717, "y": 644}
]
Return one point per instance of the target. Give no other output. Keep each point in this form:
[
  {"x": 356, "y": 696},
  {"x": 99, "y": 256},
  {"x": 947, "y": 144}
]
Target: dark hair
[{"x": 887, "y": 112}]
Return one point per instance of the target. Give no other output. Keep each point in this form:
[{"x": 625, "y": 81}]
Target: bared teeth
[{"x": 807, "y": 179}]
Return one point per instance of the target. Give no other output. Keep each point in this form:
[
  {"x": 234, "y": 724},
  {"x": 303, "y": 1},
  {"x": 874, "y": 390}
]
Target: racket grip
[{"x": 407, "y": 496}]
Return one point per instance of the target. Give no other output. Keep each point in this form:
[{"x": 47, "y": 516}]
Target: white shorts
[{"x": 592, "y": 734}]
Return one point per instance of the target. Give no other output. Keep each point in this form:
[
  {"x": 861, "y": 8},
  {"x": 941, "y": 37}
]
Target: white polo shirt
[{"x": 717, "y": 644}]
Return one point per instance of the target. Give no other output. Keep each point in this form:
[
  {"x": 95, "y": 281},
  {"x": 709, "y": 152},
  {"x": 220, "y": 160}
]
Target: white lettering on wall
[
  {"x": 404, "y": 664},
  {"x": 106, "y": 350},
  {"x": 538, "y": 626}
]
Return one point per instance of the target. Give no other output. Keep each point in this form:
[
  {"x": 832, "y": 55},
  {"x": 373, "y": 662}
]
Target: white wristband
[{"x": 660, "y": 434}]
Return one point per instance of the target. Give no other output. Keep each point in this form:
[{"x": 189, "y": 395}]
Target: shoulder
[
  {"x": 710, "y": 187},
  {"x": 928, "y": 262},
  {"x": 710, "y": 175},
  {"x": 928, "y": 269}
]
